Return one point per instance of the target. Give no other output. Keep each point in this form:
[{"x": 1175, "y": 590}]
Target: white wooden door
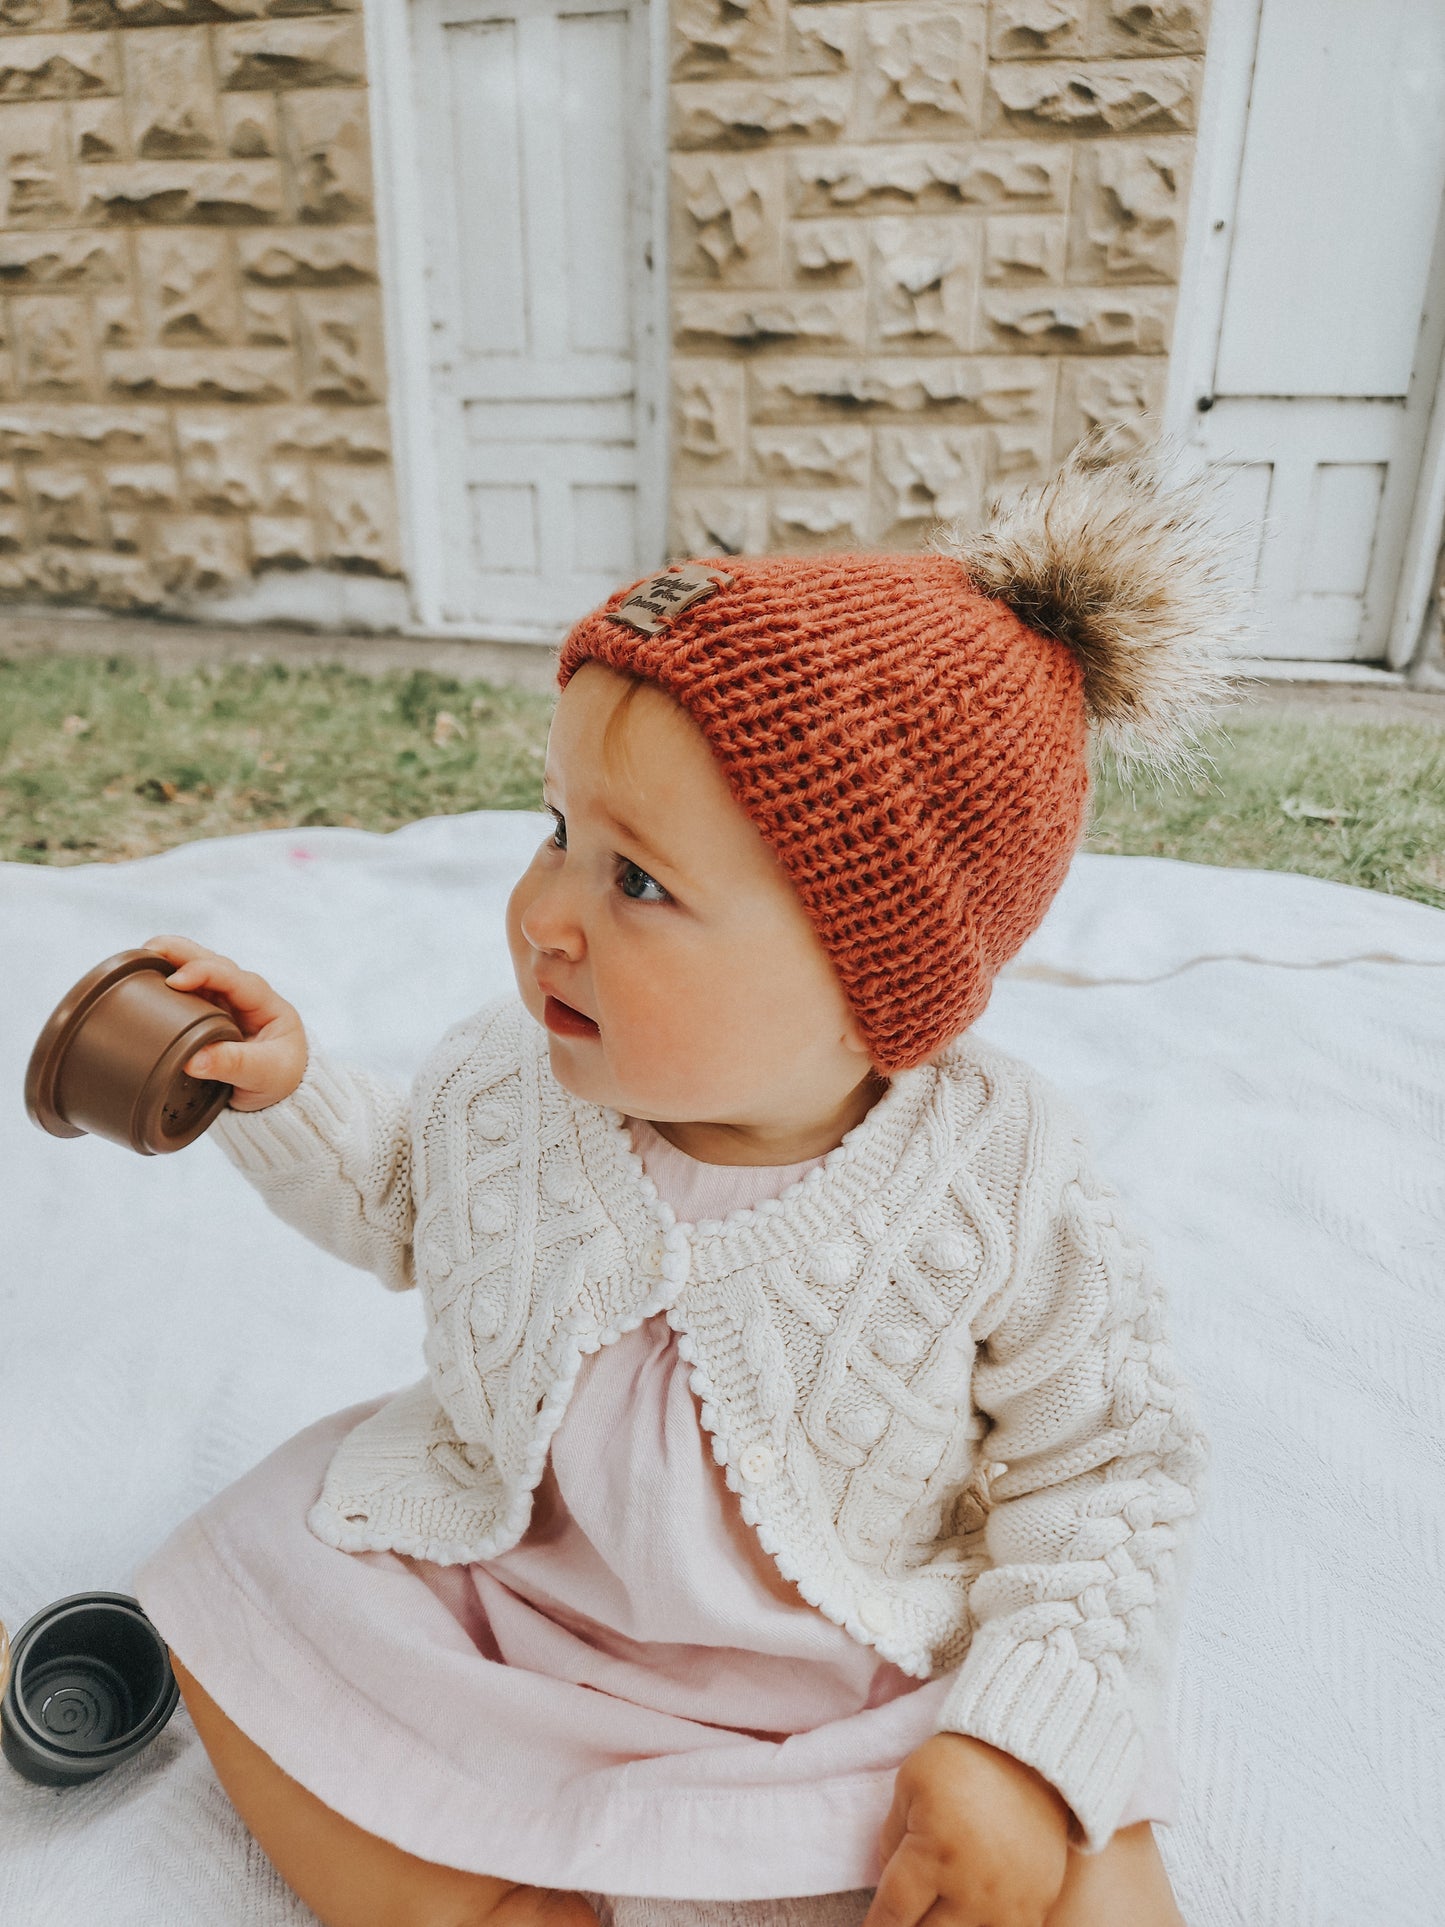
[
  {"x": 1328, "y": 335},
  {"x": 532, "y": 126}
]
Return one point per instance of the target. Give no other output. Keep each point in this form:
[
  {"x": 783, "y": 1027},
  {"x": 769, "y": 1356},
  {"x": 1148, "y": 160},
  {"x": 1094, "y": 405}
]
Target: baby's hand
[
  {"x": 272, "y": 1060},
  {"x": 974, "y": 1838}
]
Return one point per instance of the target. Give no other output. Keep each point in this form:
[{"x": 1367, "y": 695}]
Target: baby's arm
[
  {"x": 328, "y": 1147},
  {"x": 1100, "y": 1456}
]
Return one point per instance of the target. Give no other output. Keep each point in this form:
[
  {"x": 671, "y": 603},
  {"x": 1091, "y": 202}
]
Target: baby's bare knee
[{"x": 345, "y": 1875}]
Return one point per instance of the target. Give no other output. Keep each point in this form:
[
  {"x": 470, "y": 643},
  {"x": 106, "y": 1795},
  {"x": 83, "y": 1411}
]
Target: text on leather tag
[{"x": 652, "y": 606}]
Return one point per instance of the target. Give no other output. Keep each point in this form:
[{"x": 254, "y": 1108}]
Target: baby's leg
[
  {"x": 1124, "y": 1886},
  {"x": 346, "y": 1876}
]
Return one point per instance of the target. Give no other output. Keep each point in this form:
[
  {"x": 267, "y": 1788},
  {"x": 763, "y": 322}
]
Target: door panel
[
  {"x": 1326, "y": 356},
  {"x": 529, "y": 116}
]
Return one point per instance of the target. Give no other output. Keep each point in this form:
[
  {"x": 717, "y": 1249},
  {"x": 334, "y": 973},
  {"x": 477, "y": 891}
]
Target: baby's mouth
[{"x": 564, "y": 1018}]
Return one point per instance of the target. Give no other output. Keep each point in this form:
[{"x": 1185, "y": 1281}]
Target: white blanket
[{"x": 1262, "y": 1058}]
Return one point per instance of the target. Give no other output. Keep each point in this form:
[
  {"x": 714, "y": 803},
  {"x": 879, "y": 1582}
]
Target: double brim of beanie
[{"x": 913, "y": 752}]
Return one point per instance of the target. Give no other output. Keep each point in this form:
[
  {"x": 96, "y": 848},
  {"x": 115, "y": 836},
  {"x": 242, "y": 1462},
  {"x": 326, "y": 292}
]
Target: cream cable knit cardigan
[{"x": 935, "y": 1369}]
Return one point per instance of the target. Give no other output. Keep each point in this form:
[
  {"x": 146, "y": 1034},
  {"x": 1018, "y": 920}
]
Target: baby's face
[{"x": 716, "y": 1009}]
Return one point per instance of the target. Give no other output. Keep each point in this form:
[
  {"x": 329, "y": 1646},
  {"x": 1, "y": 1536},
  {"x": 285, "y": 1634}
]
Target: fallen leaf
[
  {"x": 1298, "y": 810},
  {"x": 75, "y": 726},
  {"x": 446, "y": 728},
  {"x": 157, "y": 790}
]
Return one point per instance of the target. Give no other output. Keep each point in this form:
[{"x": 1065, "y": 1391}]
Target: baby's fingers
[
  {"x": 906, "y": 1892},
  {"x": 255, "y": 1070},
  {"x": 250, "y": 998}
]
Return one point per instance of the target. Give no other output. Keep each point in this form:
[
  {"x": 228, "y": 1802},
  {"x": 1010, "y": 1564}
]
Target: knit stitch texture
[
  {"x": 934, "y": 1370},
  {"x": 913, "y": 752}
]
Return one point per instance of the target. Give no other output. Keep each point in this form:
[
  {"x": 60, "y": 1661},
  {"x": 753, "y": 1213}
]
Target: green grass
[{"x": 104, "y": 758}]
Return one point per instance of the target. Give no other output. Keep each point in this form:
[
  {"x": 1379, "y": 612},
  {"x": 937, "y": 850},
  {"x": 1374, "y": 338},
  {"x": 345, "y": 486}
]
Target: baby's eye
[{"x": 633, "y": 870}]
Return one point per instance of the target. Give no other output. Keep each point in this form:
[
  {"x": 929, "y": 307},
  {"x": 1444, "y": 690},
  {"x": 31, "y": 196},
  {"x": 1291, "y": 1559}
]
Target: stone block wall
[
  {"x": 919, "y": 248},
  {"x": 192, "y": 385}
]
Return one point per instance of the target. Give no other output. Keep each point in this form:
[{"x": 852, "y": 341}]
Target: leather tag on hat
[{"x": 656, "y": 603}]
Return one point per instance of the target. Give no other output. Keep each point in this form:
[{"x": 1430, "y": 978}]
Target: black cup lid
[{"x": 90, "y": 1685}]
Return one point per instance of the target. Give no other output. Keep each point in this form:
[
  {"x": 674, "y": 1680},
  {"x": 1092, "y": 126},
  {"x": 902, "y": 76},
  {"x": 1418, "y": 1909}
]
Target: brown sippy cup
[{"x": 110, "y": 1058}]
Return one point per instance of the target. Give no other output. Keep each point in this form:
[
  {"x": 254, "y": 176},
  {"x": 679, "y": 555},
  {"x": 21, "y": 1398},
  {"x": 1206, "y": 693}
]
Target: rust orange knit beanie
[{"x": 910, "y": 732}]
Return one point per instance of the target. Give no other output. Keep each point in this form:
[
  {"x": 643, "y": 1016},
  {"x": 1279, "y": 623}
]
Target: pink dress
[{"x": 632, "y": 1700}]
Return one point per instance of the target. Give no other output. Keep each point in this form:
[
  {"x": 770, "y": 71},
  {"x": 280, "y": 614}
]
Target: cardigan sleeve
[
  {"x": 1097, "y": 1462},
  {"x": 334, "y": 1159}
]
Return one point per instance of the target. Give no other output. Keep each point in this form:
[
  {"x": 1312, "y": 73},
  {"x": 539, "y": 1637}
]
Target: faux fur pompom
[{"x": 1132, "y": 572}]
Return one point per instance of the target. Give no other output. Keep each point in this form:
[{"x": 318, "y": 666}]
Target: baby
[{"x": 796, "y": 1510}]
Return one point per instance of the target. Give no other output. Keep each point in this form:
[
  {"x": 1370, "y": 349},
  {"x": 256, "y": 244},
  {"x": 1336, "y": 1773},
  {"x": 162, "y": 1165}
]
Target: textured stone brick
[
  {"x": 55, "y": 355},
  {"x": 273, "y": 54},
  {"x": 33, "y": 16},
  {"x": 1014, "y": 456},
  {"x": 267, "y": 318},
  {"x": 922, "y": 71},
  {"x": 309, "y": 258},
  {"x": 142, "y": 485},
  {"x": 1150, "y": 26},
  {"x": 250, "y": 126},
  {"x": 730, "y": 521},
  {"x": 161, "y": 13},
  {"x": 125, "y": 529},
  {"x": 1024, "y": 247},
  {"x": 13, "y": 531},
  {"x": 1020, "y": 389},
  {"x": 188, "y": 286},
  {"x": 747, "y": 113},
  {"x": 350, "y": 435},
  {"x": 282, "y": 541},
  {"x": 189, "y": 374},
  {"x": 199, "y": 554},
  {"x": 9, "y": 483},
  {"x": 727, "y": 218},
  {"x": 52, "y": 434},
  {"x": 1080, "y": 320},
  {"x": 720, "y": 37},
  {"x": 928, "y": 474},
  {"x": 1109, "y": 393},
  {"x": 98, "y": 130},
  {"x": 710, "y": 321},
  {"x": 929, "y": 180},
  {"x": 62, "y": 574},
  {"x": 827, "y": 253},
  {"x": 64, "y": 506},
  {"x": 822, "y": 457},
  {"x": 219, "y": 460},
  {"x": 803, "y": 522},
  {"x": 1027, "y": 29},
  {"x": 285, "y": 488},
  {"x": 1129, "y": 207},
  {"x": 358, "y": 518},
  {"x": 229, "y": 193},
  {"x": 1087, "y": 97},
  {"x": 35, "y": 166},
  {"x": 170, "y": 96},
  {"x": 708, "y": 420},
  {"x": 35, "y": 261},
  {"x": 342, "y": 358},
  {"x": 57, "y": 66},
  {"x": 925, "y": 284},
  {"x": 118, "y": 321},
  {"x": 326, "y": 137},
  {"x": 822, "y": 40}
]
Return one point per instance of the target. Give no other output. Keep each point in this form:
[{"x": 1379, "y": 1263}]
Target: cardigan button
[
  {"x": 756, "y": 1464},
  {"x": 876, "y": 1615},
  {"x": 655, "y": 1251}
]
